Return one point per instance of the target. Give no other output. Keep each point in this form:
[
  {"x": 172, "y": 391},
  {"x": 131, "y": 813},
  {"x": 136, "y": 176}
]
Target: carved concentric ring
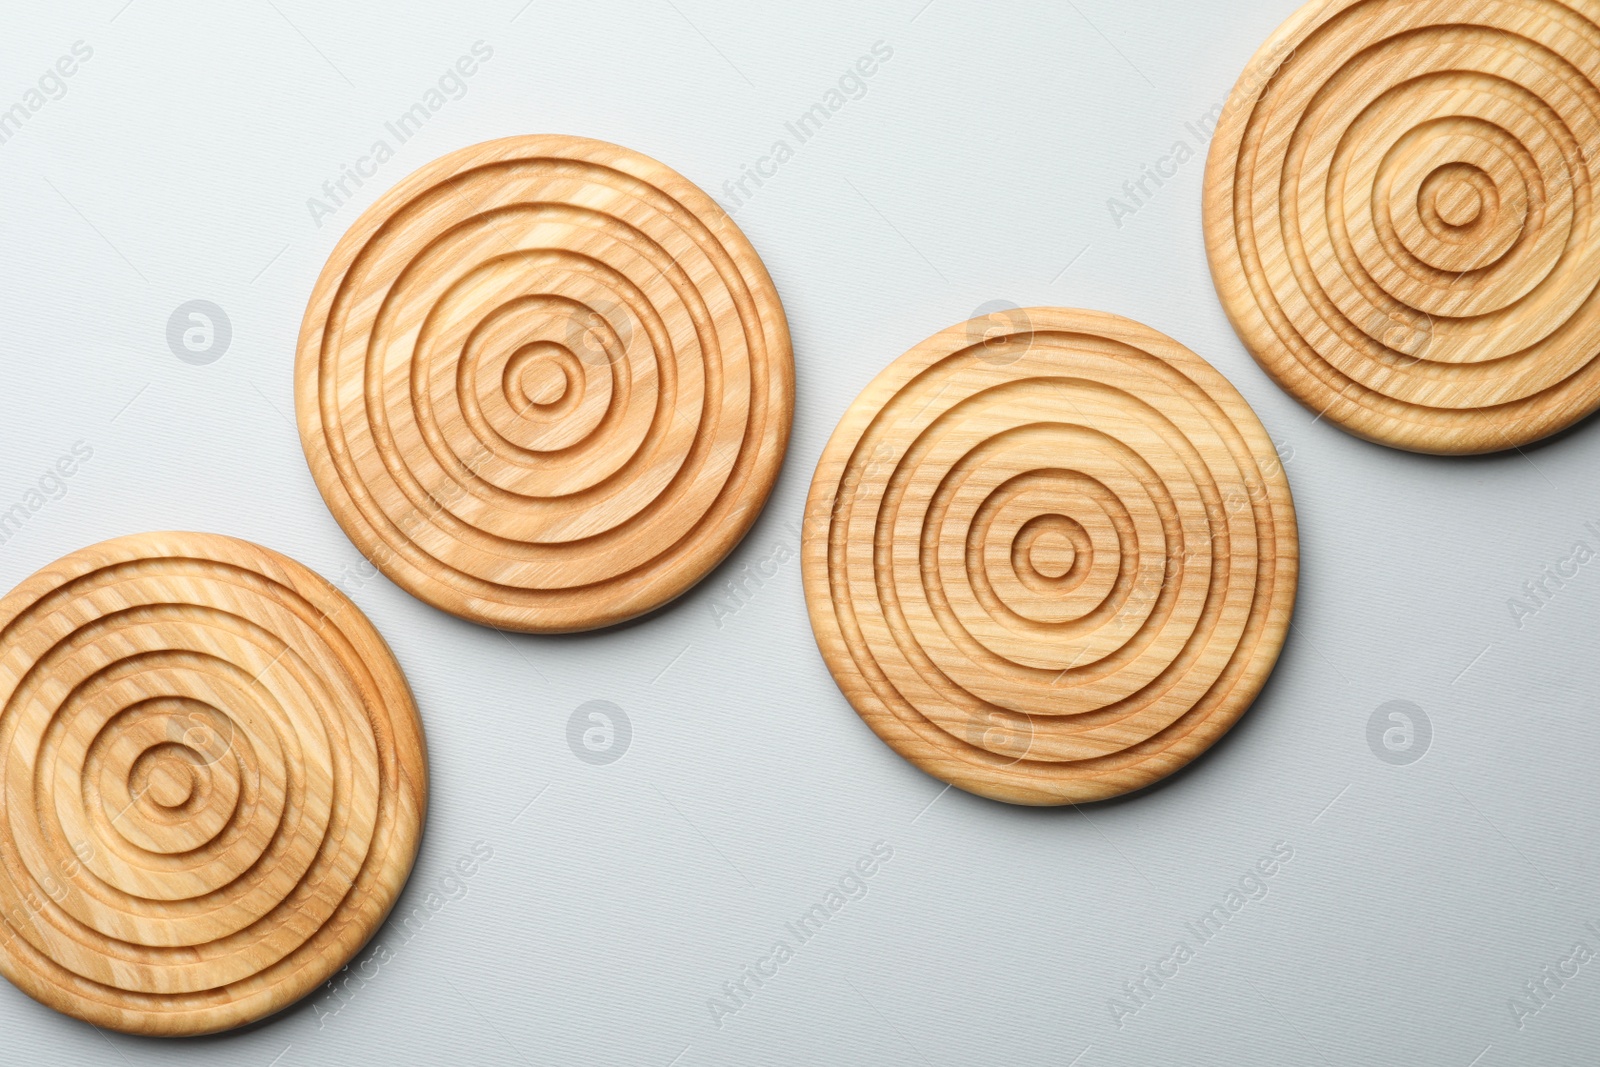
[
  {"x": 1053, "y": 561},
  {"x": 545, "y": 383},
  {"x": 214, "y": 783},
  {"x": 1401, "y": 217}
]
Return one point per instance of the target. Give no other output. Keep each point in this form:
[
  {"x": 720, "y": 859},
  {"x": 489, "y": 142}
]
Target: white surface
[{"x": 979, "y": 162}]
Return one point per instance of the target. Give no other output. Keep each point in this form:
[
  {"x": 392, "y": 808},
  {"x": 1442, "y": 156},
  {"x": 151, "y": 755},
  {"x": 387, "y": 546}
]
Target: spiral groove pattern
[
  {"x": 1050, "y": 562},
  {"x": 545, "y": 383},
  {"x": 1400, "y": 217},
  {"x": 214, "y": 783}
]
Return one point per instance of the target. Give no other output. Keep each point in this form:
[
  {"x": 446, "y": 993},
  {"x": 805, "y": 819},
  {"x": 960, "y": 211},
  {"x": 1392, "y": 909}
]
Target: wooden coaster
[
  {"x": 214, "y": 783},
  {"x": 1050, "y": 556},
  {"x": 545, "y": 384},
  {"x": 1400, "y": 215}
]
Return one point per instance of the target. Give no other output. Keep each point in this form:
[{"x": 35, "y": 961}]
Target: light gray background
[{"x": 977, "y": 167}]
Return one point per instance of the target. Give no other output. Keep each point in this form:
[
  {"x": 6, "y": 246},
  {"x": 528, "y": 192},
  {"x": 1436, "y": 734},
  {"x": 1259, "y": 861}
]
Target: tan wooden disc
[
  {"x": 1400, "y": 215},
  {"x": 214, "y": 783},
  {"x": 545, "y": 383},
  {"x": 1050, "y": 557}
]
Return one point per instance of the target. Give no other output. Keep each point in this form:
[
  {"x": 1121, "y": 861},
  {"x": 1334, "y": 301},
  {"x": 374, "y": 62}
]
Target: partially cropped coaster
[
  {"x": 545, "y": 383},
  {"x": 1050, "y": 559},
  {"x": 1401, "y": 219},
  {"x": 213, "y": 788}
]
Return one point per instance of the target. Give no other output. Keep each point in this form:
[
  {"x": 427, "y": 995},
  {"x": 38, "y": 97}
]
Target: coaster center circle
[
  {"x": 166, "y": 778},
  {"x": 537, "y": 375},
  {"x": 1456, "y": 192},
  {"x": 169, "y": 787},
  {"x": 1460, "y": 204},
  {"x": 1051, "y": 555},
  {"x": 1053, "y": 548}
]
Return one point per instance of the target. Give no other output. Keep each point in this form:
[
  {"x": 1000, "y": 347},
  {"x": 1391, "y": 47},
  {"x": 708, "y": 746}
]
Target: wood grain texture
[
  {"x": 214, "y": 784},
  {"x": 1050, "y": 557},
  {"x": 1400, "y": 216},
  {"x": 545, "y": 384}
]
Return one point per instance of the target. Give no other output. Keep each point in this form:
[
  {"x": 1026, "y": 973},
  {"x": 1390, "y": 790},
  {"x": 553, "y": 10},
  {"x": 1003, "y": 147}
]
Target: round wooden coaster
[
  {"x": 1400, "y": 216},
  {"x": 545, "y": 384},
  {"x": 214, "y": 783},
  {"x": 1050, "y": 557}
]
